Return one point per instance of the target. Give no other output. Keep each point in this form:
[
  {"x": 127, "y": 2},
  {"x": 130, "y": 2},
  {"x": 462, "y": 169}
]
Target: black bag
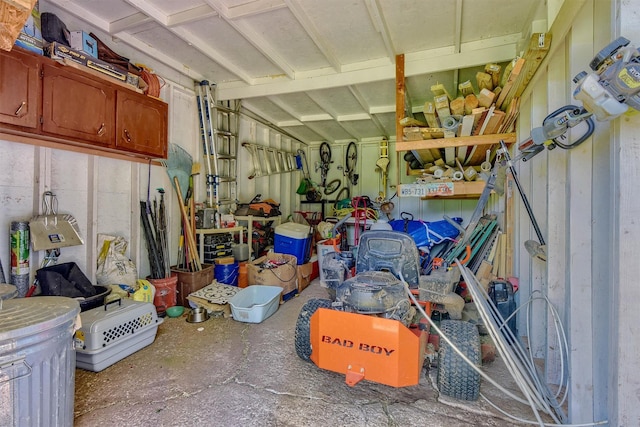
[
  {"x": 65, "y": 280},
  {"x": 53, "y": 29}
]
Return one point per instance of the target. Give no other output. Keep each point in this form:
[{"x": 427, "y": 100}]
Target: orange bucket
[
  {"x": 243, "y": 280},
  {"x": 166, "y": 293}
]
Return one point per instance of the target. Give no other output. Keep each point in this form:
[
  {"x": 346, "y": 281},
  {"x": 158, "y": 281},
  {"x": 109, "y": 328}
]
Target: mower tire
[
  {"x": 303, "y": 326},
  {"x": 455, "y": 377}
]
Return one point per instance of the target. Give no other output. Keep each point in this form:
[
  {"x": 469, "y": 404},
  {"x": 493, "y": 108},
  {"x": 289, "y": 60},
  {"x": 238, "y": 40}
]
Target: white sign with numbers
[{"x": 426, "y": 190}]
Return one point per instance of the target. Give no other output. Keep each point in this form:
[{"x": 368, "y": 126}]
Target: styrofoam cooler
[{"x": 294, "y": 239}]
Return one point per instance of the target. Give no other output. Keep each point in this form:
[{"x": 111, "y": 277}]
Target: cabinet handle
[
  {"x": 19, "y": 110},
  {"x": 101, "y": 130},
  {"x": 127, "y": 135}
]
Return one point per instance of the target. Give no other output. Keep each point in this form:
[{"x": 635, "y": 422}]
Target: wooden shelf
[
  {"x": 462, "y": 189},
  {"x": 426, "y": 144}
]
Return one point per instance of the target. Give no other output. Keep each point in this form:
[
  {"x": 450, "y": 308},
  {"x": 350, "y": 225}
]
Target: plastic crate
[
  {"x": 114, "y": 331},
  {"x": 255, "y": 303}
]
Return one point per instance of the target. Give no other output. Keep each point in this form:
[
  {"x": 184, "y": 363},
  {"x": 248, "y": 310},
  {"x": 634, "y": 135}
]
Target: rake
[{"x": 179, "y": 165}]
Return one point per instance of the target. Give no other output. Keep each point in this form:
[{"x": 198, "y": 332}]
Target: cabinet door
[
  {"x": 78, "y": 107},
  {"x": 19, "y": 89},
  {"x": 141, "y": 124}
]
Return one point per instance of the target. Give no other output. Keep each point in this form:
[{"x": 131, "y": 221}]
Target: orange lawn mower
[{"x": 377, "y": 327}]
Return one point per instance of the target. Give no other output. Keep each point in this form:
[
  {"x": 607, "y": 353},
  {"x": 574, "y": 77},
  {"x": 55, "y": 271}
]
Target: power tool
[{"x": 606, "y": 93}]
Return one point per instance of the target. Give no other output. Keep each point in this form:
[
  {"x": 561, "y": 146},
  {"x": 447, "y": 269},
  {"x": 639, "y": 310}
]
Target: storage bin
[
  {"x": 37, "y": 360},
  {"x": 255, "y": 303},
  {"x": 113, "y": 332},
  {"x": 294, "y": 239},
  {"x": 189, "y": 282}
]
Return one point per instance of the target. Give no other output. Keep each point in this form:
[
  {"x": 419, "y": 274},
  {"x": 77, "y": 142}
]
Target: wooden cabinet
[
  {"x": 19, "y": 89},
  {"x": 77, "y": 107},
  {"x": 45, "y": 102},
  {"x": 141, "y": 124}
]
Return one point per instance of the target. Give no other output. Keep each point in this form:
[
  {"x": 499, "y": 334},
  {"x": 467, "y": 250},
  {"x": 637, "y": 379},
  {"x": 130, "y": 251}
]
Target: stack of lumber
[{"x": 489, "y": 107}]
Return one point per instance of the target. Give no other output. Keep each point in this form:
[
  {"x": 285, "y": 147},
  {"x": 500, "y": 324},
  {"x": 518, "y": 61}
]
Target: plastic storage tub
[
  {"x": 255, "y": 303},
  {"x": 37, "y": 374},
  {"x": 293, "y": 239},
  {"x": 113, "y": 332}
]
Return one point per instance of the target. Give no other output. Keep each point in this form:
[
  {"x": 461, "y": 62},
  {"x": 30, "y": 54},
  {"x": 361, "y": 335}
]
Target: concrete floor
[{"x": 226, "y": 373}]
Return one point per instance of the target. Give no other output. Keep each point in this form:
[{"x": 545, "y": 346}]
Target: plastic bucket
[
  {"x": 227, "y": 273},
  {"x": 243, "y": 278},
  {"x": 166, "y": 293},
  {"x": 37, "y": 380}
]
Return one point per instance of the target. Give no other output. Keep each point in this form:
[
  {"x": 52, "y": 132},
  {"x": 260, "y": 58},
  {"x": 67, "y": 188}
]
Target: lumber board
[
  {"x": 484, "y": 80},
  {"x": 470, "y": 102},
  {"x": 438, "y": 89},
  {"x": 486, "y": 98},
  {"x": 466, "y": 88},
  {"x": 410, "y": 121},
  {"x": 442, "y": 106},
  {"x": 457, "y": 106},
  {"x": 511, "y": 81},
  {"x": 400, "y": 95},
  {"x": 512, "y": 115},
  {"x": 430, "y": 114},
  {"x": 494, "y": 122},
  {"x": 538, "y": 49},
  {"x": 494, "y": 71}
]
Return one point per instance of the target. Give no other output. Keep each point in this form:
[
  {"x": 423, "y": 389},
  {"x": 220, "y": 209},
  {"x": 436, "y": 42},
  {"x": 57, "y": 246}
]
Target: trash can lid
[
  {"x": 7, "y": 291},
  {"x": 26, "y": 316}
]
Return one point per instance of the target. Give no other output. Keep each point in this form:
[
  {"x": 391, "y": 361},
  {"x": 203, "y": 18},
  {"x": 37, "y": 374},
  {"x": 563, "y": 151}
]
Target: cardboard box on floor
[
  {"x": 285, "y": 275},
  {"x": 305, "y": 275}
]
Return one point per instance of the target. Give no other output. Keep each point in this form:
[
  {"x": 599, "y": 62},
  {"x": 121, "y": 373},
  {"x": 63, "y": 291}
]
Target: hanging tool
[
  {"x": 382, "y": 166},
  {"x": 535, "y": 249},
  {"x": 607, "y": 93}
]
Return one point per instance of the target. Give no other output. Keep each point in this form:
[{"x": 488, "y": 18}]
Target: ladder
[
  {"x": 219, "y": 122},
  {"x": 269, "y": 161}
]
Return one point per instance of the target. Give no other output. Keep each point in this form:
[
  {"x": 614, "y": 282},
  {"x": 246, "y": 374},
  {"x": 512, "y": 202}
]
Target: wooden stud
[
  {"x": 486, "y": 98},
  {"x": 457, "y": 106},
  {"x": 430, "y": 114},
  {"x": 438, "y": 89},
  {"x": 494, "y": 71},
  {"x": 484, "y": 80},
  {"x": 466, "y": 88},
  {"x": 470, "y": 102},
  {"x": 507, "y": 87},
  {"x": 538, "y": 49},
  {"x": 442, "y": 106}
]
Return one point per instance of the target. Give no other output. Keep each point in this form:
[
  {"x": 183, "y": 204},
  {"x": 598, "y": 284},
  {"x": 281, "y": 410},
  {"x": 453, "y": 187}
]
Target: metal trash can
[{"x": 37, "y": 361}]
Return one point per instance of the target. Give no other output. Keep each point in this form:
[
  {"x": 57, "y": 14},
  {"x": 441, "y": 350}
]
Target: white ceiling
[{"x": 321, "y": 70}]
